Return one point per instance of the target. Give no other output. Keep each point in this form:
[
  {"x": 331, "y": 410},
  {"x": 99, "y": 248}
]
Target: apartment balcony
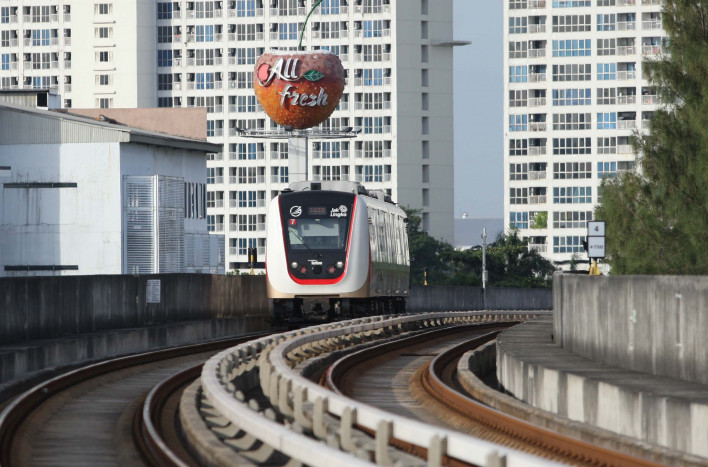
[
  {"x": 626, "y": 50},
  {"x": 13, "y": 42},
  {"x": 27, "y": 18},
  {"x": 233, "y": 251},
  {"x": 536, "y": 53},
  {"x": 67, "y": 87},
  {"x": 626, "y": 25},
  {"x": 537, "y": 101},
  {"x": 537, "y": 175},
  {"x": 645, "y": 124},
  {"x": 177, "y": 14},
  {"x": 537, "y": 247},
  {"x": 537, "y": 4},
  {"x": 651, "y": 24},
  {"x": 537, "y": 77},
  {"x": 651, "y": 99},
  {"x": 233, "y": 227},
  {"x": 626, "y": 75},
  {"x": 233, "y": 179},
  {"x": 277, "y": 179},
  {"x": 651, "y": 49},
  {"x": 651, "y": 2},
  {"x": 539, "y": 199},
  {"x": 537, "y": 151},
  {"x": 218, "y": 228},
  {"x": 626, "y": 2},
  {"x": 537, "y": 126},
  {"x": 219, "y": 203},
  {"x": 54, "y": 17},
  {"x": 626, "y": 124},
  {"x": 218, "y": 180},
  {"x": 537, "y": 28},
  {"x": 624, "y": 149},
  {"x": 12, "y": 19},
  {"x": 632, "y": 99},
  {"x": 344, "y": 57}
]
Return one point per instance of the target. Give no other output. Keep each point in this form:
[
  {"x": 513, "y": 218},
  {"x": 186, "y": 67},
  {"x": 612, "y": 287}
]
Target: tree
[
  {"x": 657, "y": 216},
  {"x": 425, "y": 252},
  {"x": 509, "y": 261}
]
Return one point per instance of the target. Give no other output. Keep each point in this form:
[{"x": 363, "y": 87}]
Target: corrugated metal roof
[{"x": 24, "y": 125}]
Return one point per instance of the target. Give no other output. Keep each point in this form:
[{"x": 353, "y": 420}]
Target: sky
[{"x": 478, "y": 95}]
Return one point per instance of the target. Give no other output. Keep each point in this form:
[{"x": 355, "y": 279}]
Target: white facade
[
  {"x": 139, "y": 53},
  {"x": 64, "y": 208},
  {"x": 573, "y": 96}
]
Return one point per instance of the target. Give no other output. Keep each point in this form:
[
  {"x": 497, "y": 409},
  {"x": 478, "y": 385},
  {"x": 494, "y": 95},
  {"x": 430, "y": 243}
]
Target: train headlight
[
  {"x": 339, "y": 264},
  {"x": 331, "y": 269},
  {"x": 294, "y": 265},
  {"x": 303, "y": 269}
]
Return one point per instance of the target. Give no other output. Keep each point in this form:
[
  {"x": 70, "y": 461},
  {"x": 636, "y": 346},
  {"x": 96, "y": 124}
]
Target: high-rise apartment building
[
  {"x": 140, "y": 53},
  {"x": 574, "y": 94}
]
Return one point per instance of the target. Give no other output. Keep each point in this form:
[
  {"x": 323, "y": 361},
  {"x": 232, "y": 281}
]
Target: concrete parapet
[
  {"x": 463, "y": 298},
  {"x": 652, "y": 324},
  {"x": 659, "y": 410},
  {"x": 49, "y": 307},
  {"x": 20, "y": 362}
]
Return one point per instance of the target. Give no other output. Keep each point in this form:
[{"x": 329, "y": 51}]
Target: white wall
[{"x": 62, "y": 226}]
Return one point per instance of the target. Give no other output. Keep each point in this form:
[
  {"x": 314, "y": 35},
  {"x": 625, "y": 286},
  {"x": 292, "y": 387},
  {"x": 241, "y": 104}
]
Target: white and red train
[{"x": 335, "y": 250}]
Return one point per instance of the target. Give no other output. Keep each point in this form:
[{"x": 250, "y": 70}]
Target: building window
[
  {"x": 562, "y": 97},
  {"x": 518, "y": 25},
  {"x": 164, "y": 10},
  {"x": 571, "y": 170},
  {"x": 606, "y": 71},
  {"x": 606, "y": 22},
  {"x": 572, "y": 48},
  {"x": 572, "y": 195},
  {"x": 164, "y": 58},
  {"x": 518, "y": 196},
  {"x": 606, "y": 47},
  {"x": 571, "y": 146},
  {"x": 518, "y": 122},
  {"x": 103, "y": 8},
  {"x": 570, "y": 3},
  {"x": 572, "y": 121},
  {"x": 571, "y": 72},
  {"x": 571, "y": 23},
  {"x": 607, "y": 121},
  {"x": 104, "y": 33},
  {"x": 571, "y": 219},
  {"x": 518, "y": 147},
  {"x": 518, "y": 74},
  {"x": 519, "y": 220},
  {"x": 568, "y": 244}
]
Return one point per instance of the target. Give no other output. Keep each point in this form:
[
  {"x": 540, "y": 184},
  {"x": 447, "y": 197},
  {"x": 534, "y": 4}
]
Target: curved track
[
  {"x": 418, "y": 380},
  {"x": 86, "y": 416}
]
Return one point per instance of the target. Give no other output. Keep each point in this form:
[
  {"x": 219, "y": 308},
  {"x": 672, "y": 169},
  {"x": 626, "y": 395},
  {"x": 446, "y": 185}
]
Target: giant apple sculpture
[{"x": 298, "y": 89}]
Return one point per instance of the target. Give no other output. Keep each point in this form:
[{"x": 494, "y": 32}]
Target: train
[{"x": 335, "y": 250}]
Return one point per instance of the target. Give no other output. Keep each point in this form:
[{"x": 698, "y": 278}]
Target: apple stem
[{"x": 304, "y": 25}]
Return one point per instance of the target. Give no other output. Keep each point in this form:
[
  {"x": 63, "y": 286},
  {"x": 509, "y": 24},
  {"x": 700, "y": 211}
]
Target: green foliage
[
  {"x": 540, "y": 220},
  {"x": 657, "y": 218},
  {"x": 509, "y": 261}
]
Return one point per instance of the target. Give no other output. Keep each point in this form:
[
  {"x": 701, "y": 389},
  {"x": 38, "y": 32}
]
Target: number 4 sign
[{"x": 596, "y": 228}]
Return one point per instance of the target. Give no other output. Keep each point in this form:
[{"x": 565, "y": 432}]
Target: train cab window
[{"x": 318, "y": 233}]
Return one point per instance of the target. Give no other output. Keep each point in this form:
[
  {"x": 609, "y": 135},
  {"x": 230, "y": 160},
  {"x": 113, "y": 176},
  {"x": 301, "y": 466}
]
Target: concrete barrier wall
[
  {"x": 47, "y": 307},
  {"x": 459, "y": 298},
  {"x": 653, "y": 324}
]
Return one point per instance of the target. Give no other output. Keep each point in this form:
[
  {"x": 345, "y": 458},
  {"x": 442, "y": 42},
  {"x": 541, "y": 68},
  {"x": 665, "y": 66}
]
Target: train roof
[{"x": 339, "y": 185}]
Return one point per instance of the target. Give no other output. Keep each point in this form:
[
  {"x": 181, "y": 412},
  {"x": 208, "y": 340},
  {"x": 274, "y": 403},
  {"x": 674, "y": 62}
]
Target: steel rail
[
  {"x": 432, "y": 380},
  {"x": 16, "y": 412},
  {"x": 337, "y": 371}
]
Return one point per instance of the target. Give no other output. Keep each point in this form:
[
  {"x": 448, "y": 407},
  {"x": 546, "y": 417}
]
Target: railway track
[
  {"x": 422, "y": 369},
  {"x": 85, "y": 416},
  {"x": 262, "y": 402}
]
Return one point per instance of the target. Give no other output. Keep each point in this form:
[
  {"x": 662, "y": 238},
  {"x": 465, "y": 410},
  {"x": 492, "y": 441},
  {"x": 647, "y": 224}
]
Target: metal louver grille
[
  {"x": 139, "y": 231},
  {"x": 171, "y": 224}
]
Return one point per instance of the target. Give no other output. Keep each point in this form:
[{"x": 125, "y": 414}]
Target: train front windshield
[
  {"x": 318, "y": 233},
  {"x": 316, "y": 220}
]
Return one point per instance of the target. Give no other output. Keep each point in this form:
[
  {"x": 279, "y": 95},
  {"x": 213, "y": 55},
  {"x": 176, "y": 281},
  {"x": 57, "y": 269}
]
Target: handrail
[{"x": 278, "y": 381}]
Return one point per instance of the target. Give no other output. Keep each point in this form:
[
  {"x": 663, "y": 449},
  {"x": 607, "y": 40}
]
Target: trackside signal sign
[{"x": 596, "y": 239}]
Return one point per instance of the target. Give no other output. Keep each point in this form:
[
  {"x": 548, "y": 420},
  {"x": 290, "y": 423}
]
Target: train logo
[
  {"x": 341, "y": 211},
  {"x": 295, "y": 211}
]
